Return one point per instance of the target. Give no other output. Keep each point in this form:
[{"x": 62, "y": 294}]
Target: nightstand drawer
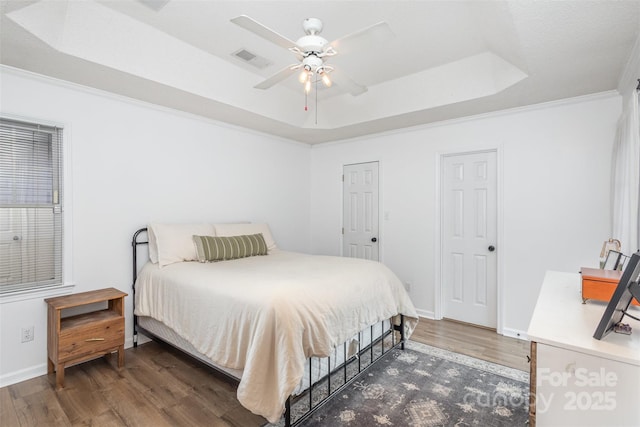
[{"x": 91, "y": 339}]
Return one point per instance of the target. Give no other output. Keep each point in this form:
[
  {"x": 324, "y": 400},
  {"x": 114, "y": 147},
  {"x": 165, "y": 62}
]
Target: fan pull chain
[{"x": 316, "y": 101}]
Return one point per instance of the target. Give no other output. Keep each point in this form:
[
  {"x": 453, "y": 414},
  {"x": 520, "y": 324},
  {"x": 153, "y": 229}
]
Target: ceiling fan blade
[
  {"x": 343, "y": 80},
  {"x": 376, "y": 33},
  {"x": 266, "y": 33},
  {"x": 278, "y": 77}
]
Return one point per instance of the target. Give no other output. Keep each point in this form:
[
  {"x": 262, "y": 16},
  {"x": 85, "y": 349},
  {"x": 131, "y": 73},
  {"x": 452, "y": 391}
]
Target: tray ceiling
[{"x": 446, "y": 59}]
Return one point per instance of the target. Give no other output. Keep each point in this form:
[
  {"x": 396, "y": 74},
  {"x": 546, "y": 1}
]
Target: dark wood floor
[{"x": 161, "y": 387}]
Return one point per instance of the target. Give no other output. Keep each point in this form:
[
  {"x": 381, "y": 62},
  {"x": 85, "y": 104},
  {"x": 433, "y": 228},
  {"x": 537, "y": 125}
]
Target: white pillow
[
  {"x": 226, "y": 230},
  {"x": 153, "y": 246},
  {"x": 174, "y": 242}
]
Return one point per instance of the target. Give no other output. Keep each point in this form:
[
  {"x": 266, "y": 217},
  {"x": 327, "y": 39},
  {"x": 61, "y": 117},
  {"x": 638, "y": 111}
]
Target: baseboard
[
  {"x": 23, "y": 375},
  {"x": 515, "y": 333},
  {"x": 41, "y": 369},
  {"x": 426, "y": 314}
]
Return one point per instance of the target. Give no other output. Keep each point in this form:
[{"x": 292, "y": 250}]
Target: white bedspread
[{"x": 267, "y": 314}]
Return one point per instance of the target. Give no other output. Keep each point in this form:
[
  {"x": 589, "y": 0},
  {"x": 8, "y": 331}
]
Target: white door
[
  {"x": 360, "y": 216},
  {"x": 469, "y": 223}
]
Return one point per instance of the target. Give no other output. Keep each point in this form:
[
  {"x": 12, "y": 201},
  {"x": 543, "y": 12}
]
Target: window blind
[{"x": 30, "y": 206}]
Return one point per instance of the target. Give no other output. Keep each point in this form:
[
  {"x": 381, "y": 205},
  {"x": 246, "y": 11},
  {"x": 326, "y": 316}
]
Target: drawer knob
[{"x": 93, "y": 339}]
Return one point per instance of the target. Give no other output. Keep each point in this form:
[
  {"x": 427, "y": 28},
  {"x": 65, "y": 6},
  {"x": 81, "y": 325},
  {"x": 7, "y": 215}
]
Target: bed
[{"x": 277, "y": 322}]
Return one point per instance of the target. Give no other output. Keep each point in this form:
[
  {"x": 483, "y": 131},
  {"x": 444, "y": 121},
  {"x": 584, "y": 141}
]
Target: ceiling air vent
[{"x": 251, "y": 58}]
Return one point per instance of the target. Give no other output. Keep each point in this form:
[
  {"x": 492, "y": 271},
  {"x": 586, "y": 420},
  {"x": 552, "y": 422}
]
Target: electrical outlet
[{"x": 27, "y": 334}]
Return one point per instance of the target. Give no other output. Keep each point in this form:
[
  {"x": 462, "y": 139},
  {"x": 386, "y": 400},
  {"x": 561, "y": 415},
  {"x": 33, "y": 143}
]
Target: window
[{"x": 30, "y": 206}]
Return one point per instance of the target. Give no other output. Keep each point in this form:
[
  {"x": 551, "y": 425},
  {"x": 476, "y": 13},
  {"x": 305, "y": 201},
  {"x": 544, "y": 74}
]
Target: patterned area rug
[{"x": 426, "y": 386}]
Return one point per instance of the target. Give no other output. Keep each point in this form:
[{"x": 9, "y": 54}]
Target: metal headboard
[{"x": 134, "y": 244}]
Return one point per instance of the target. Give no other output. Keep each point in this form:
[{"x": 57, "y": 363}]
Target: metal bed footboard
[
  {"x": 347, "y": 372},
  {"x": 342, "y": 375}
]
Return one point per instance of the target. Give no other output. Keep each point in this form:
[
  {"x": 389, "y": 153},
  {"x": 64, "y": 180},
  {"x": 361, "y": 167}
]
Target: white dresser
[{"x": 577, "y": 380}]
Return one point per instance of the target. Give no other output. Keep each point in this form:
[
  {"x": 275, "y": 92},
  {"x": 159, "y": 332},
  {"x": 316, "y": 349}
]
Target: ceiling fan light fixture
[
  {"x": 312, "y": 50},
  {"x": 304, "y": 76},
  {"x": 326, "y": 80}
]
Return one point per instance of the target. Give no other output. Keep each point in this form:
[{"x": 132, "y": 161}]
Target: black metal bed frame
[{"x": 343, "y": 368}]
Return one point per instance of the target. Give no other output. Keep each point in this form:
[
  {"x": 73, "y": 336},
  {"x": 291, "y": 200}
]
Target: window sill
[{"x": 40, "y": 293}]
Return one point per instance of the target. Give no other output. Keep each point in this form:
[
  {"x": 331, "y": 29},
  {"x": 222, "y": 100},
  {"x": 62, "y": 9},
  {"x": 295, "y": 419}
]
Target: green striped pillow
[{"x": 216, "y": 248}]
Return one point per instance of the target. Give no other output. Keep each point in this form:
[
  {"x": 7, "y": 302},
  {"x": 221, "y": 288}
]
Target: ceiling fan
[{"x": 313, "y": 51}]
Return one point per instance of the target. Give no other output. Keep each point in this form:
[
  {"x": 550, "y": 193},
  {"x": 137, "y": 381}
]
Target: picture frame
[
  {"x": 627, "y": 289},
  {"x": 612, "y": 261}
]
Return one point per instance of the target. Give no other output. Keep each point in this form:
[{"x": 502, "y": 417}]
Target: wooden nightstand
[{"x": 83, "y": 337}]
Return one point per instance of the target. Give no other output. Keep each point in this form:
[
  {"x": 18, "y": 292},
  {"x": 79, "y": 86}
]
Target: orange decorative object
[{"x": 599, "y": 284}]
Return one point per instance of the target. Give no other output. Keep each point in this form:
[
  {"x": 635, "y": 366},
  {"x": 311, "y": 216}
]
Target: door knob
[
  {"x": 491, "y": 248},
  {"x": 373, "y": 239}
]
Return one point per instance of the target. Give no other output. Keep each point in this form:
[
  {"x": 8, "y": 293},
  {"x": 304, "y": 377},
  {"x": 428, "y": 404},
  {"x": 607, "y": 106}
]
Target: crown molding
[
  {"x": 136, "y": 102},
  {"x": 483, "y": 116}
]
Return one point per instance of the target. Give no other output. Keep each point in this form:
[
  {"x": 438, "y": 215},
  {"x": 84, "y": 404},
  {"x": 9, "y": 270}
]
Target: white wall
[
  {"x": 555, "y": 194},
  {"x": 132, "y": 164}
]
